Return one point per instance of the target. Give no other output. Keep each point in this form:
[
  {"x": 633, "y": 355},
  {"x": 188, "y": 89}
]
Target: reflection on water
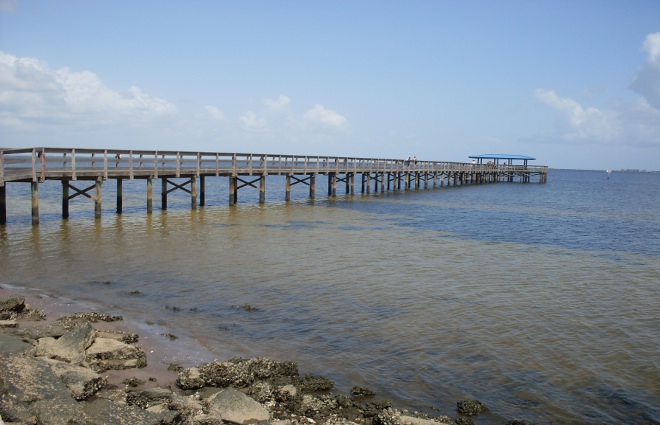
[{"x": 428, "y": 297}]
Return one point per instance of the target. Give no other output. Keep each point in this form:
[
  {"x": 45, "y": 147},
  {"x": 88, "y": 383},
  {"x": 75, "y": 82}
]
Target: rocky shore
[{"x": 78, "y": 370}]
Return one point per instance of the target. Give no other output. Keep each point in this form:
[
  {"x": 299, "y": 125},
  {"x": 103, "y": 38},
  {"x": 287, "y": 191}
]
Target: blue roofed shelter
[
  {"x": 508, "y": 167},
  {"x": 501, "y": 158}
]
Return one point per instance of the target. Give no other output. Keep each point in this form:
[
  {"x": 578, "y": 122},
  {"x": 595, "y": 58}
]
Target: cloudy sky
[{"x": 573, "y": 83}]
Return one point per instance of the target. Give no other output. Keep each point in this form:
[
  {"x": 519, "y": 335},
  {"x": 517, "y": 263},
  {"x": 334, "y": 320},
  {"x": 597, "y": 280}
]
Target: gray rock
[
  {"x": 14, "y": 303},
  {"x": 32, "y": 393},
  {"x": 8, "y": 323},
  {"x": 54, "y": 330},
  {"x": 411, "y": 420},
  {"x": 81, "y": 381},
  {"x": 10, "y": 345},
  {"x": 110, "y": 354},
  {"x": 189, "y": 404},
  {"x": 70, "y": 347},
  {"x": 470, "y": 407},
  {"x": 149, "y": 397},
  {"x": 105, "y": 412},
  {"x": 125, "y": 337},
  {"x": 190, "y": 379},
  {"x": 234, "y": 406},
  {"x": 204, "y": 419}
]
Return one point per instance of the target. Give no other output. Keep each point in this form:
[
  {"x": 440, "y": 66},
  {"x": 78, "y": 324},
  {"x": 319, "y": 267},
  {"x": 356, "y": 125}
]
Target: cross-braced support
[
  {"x": 66, "y": 185},
  {"x": 165, "y": 190},
  {"x": 236, "y": 183}
]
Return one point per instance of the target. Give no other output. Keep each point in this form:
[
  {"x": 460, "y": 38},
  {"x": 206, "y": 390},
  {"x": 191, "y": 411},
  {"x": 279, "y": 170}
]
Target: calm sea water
[{"x": 542, "y": 301}]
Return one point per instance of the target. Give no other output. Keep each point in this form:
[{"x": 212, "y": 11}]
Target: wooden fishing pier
[{"x": 82, "y": 172}]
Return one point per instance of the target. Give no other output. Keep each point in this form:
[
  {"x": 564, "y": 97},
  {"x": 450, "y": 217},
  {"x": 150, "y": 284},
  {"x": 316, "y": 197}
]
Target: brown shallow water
[{"x": 370, "y": 295}]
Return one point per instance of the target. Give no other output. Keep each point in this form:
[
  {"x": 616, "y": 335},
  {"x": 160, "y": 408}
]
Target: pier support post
[
  {"x": 35, "y": 202},
  {"x": 202, "y": 191},
  {"x": 3, "y": 204},
  {"x": 312, "y": 186},
  {"x": 150, "y": 195},
  {"x": 120, "y": 195},
  {"x": 332, "y": 184},
  {"x": 163, "y": 193},
  {"x": 97, "y": 199},
  {"x": 233, "y": 191},
  {"x": 262, "y": 189},
  {"x": 193, "y": 192},
  {"x": 287, "y": 188},
  {"x": 65, "y": 199}
]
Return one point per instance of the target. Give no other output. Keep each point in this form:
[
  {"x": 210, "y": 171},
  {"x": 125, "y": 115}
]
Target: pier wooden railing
[
  {"x": 36, "y": 165},
  {"x": 40, "y": 164}
]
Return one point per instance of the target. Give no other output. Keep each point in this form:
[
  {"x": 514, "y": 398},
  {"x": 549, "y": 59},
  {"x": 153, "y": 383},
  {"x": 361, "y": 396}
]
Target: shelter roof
[{"x": 502, "y": 156}]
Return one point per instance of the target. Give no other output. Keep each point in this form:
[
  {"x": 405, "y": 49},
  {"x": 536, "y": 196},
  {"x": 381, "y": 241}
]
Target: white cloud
[
  {"x": 647, "y": 79},
  {"x": 215, "y": 113},
  {"x": 33, "y": 94},
  {"x": 40, "y": 106},
  {"x": 576, "y": 123},
  {"x": 623, "y": 124},
  {"x": 251, "y": 122},
  {"x": 325, "y": 117},
  {"x": 277, "y": 105}
]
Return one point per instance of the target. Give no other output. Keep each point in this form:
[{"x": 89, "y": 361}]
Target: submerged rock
[{"x": 470, "y": 407}]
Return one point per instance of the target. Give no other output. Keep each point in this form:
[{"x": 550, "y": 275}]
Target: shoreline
[
  {"x": 161, "y": 373},
  {"x": 161, "y": 349}
]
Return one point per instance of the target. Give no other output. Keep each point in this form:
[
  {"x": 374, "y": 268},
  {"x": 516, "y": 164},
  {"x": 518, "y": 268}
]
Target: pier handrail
[{"x": 42, "y": 163}]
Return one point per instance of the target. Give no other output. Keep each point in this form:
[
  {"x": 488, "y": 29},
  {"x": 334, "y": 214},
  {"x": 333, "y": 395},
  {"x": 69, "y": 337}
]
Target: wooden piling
[
  {"x": 312, "y": 186},
  {"x": 202, "y": 190},
  {"x": 3, "y": 204},
  {"x": 35, "y": 202},
  {"x": 233, "y": 192},
  {"x": 150, "y": 195},
  {"x": 262, "y": 189},
  {"x": 120, "y": 199},
  {"x": 97, "y": 199},
  {"x": 65, "y": 199},
  {"x": 193, "y": 193},
  {"x": 163, "y": 193},
  {"x": 287, "y": 188}
]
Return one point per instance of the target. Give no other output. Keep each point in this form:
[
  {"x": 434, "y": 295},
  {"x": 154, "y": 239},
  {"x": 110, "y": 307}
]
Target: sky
[{"x": 572, "y": 83}]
